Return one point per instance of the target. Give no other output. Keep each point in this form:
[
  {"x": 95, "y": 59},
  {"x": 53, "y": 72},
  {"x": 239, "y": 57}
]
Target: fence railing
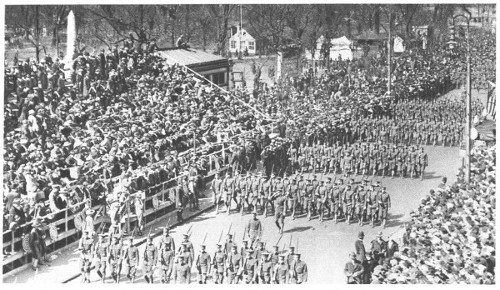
[{"x": 64, "y": 228}]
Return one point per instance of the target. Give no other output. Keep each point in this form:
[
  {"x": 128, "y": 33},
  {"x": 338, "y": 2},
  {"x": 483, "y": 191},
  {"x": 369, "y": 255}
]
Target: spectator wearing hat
[
  {"x": 353, "y": 270},
  {"x": 37, "y": 244},
  {"x": 360, "y": 247}
]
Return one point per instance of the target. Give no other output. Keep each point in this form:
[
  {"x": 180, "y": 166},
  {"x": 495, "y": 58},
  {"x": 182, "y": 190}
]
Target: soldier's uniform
[
  {"x": 299, "y": 271},
  {"x": 203, "y": 264},
  {"x": 229, "y": 192},
  {"x": 182, "y": 272},
  {"x": 131, "y": 260},
  {"x": 86, "y": 248},
  {"x": 166, "y": 241},
  {"x": 264, "y": 269},
  {"x": 150, "y": 259},
  {"x": 321, "y": 194},
  {"x": 233, "y": 264},
  {"x": 249, "y": 267},
  {"x": 218, "y": 264},
  {"x": 217, "y": 190},
  {"x": 115, "y": 259},
  {"x": 167, "y": 256},
  {"x": 281, "y": 272},
  {"x": 101, "y": 254},
  {"x": 384, "y": 203}
]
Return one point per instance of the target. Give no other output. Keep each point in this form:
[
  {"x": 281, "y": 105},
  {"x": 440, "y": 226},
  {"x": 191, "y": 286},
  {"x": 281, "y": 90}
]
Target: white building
[
  {"x": 339, "y": 48},
  {"x": 242, "y": 40}
]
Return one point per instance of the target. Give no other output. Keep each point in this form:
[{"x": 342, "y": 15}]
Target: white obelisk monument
[{"x": 71, "y": 39}]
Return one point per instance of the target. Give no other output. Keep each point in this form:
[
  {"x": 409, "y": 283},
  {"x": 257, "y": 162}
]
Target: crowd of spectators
[
  {"x": 450, "y": 238},
  {"x": 127, "y": 109}
]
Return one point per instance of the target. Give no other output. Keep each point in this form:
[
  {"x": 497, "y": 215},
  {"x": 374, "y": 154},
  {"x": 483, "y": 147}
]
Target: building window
[
  {"x": 219, "y": 78},
  {"x": 251, "y": 45},
  {"x": 233, "y": 44}
]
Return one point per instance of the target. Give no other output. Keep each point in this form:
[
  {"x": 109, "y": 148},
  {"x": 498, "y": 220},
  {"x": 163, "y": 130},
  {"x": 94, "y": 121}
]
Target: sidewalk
[{"x": 64, "y": 265}]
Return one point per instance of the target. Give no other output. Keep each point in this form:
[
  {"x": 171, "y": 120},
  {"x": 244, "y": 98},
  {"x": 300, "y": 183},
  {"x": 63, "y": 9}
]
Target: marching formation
[
  {"x": 341, "y": 198},
  {"x": 250, "y": 262}
]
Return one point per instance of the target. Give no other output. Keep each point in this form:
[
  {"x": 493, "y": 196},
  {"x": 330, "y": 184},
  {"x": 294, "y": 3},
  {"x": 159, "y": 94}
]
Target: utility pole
[
  {"x": 241, "y": 27},
  {"x": 468, "y": 113},
  {"x": 389, "y": 55}
]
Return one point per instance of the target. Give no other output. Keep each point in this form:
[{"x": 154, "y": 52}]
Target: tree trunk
[
  {"x": 37, "y": 33},
  {"x": 187, "y": 32}
]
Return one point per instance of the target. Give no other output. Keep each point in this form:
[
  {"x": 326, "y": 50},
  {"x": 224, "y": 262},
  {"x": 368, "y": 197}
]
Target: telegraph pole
[
  {"x": 468, "y": 113},
  {"x": 389, "y": 56}
]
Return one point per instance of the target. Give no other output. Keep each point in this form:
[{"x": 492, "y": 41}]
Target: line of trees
[{"x": 275, "y": 26}]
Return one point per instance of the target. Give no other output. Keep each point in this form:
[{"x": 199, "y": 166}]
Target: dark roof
[{"x": 190, "y": 57}]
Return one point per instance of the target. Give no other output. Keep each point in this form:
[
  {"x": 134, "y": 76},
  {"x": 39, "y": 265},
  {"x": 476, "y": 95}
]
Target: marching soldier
[
  {"x": 245, "y": 192},
  {"x": 166, "y": 240},
  {"x": 384, "y": 203},
  {"x": 361, "y": 197},
  {"x": 182, "y": 272},
  {"x": 228, "y": 244},
  {"x": 423, "y": 162},
  {"x": 321, "y": 195},
  {"x": 280, "y": 212},
  {"x": 216, "y": 186},
  {"x": 264, "y": 269},
  {"x": 348, "y": 202},
  {"x": 86, "y": 247},
  {"x": 186, "y": 253},
  {"x": 203, "y": 263},
  {"x": 275, "y": 255},
  {"x": 131, "y": 259},
  {"x": 272, "y": 189},
  {"x": 299, "y": 271},
  {"x": 249, "y": 267},
  {"x": 115, "y": 258},
  {"x": 255, "y": 190},
  {"x": 372, "y": 207},
  {"x": 101, "y": 254},
  {"x": 233, "y": 264},
  {"x": 308, "y": 198},
  {"x": 228, "y": 185},
  {"x": 187, "y": 246},
  {"x": 265, "y": 193},
  {"x": 254, "y": 229},
  {"x": 150, "y": 259},
  {"x": 292, "y": 196},
  {"x": 219, "y": 262},
  {"x": 280, "y": 273},
  {"x": 167, "y": 256}
]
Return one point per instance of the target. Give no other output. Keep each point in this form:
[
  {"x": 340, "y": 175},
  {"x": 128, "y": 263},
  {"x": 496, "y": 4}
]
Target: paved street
[{"x": 324, "y": 246}]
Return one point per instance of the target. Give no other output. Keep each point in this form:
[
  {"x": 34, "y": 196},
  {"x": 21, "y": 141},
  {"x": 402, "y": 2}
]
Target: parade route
[{"x": 324, "y": 246}]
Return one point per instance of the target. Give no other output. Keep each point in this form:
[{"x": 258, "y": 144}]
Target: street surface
[{"x": 324, "y": 246}]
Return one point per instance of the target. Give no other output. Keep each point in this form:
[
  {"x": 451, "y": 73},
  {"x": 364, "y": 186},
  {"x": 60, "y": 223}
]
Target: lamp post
[{"x": 468, "y": 98}]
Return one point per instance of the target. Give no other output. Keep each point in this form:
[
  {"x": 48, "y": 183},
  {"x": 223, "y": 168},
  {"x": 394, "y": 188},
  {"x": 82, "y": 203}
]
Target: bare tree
[{"x": 221, "y": 14}]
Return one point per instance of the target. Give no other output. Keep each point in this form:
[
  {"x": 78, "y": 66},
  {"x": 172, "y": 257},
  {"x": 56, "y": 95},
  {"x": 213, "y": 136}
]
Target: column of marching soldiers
[{"x": 251, "y": 263}]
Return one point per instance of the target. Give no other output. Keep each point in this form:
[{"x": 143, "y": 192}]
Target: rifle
[
  {"x": 189, "y": 234},
  {"x": 204, "y": 239},
  {"x": 230, "y": 226},
  {"x": 220, "y": 236},
  {"x": 290, "y": 244}
]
